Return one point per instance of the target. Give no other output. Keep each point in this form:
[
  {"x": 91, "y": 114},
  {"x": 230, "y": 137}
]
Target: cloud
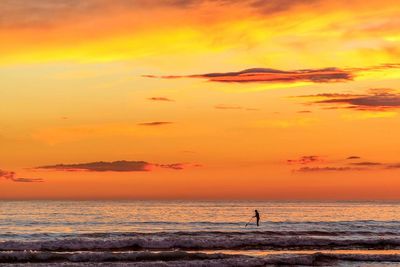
[
  {"x": 7, "y": 174},
  {"x": 27, "y": 180},
  {"x": 275, "y": 6},
  {"x": 366, "y": 163},
  {"x": 46, "y": 12},
  {"x": 11, "y": 176},
  {"x": 372, "y": 100},
  {"x": 270, "y": 75},
  {"x": 340, "y": 165},
  {"x": 328, "y": 169},
  {"x": 116, "y": 166},
  {"x": 377, "y": 67},
  {"x": 155, "y": 123},
  {"x": 304, "y": 111},
  {"x": 353, "y": 157},
  {"x": 27, "y": 13},
  {"x": 393, "y": 166},
  {"x": 101, "y": 166},
  {"x": 160, "y": 98},
  {"x": 305, "y": 160},
  {"x": 174, "y": 166},
  {"x": 267, "y": 75}
]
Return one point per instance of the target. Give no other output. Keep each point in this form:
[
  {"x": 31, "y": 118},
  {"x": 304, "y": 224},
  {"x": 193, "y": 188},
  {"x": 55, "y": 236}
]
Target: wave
[
  {"x": 181, "y": 258},
  {"x": 208, "y": 240},
  {"x": 259, "y": 232},
  {"x": 40, "y": 256}
]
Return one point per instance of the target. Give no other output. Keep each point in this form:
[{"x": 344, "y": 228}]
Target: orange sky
[{"x": 198, "y": 99}]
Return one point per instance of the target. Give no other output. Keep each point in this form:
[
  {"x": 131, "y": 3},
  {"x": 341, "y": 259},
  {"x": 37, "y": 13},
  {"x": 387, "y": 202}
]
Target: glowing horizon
[{"x": 199, "y": 99}]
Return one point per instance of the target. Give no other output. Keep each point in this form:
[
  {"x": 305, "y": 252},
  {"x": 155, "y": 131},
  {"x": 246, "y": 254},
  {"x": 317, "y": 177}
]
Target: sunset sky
[{"x": 200, "y": 99}]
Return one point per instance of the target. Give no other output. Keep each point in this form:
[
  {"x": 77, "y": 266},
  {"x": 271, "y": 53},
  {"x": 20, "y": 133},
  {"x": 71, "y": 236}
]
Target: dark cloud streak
[
  {"x": 353, "y": 157},
  {"x": 366, "y": 163},
  {"x": 393, "y": 166},
  {"x": 305, "y": 160},
  {"x": 101, "y": 166},
  {"x": 160, "y": 98},
  {"x": 11, "y": 176},
  {"x": 328, "y": 169},
  {"x": 155, "y": 123},
  {"x": 267, "y": 75},
  {"x": 372, "y": 100},
  {"x": 116, "y": 166}
]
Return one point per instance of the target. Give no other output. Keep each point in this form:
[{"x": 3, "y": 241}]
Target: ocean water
[{"x": 198, "y": 233}]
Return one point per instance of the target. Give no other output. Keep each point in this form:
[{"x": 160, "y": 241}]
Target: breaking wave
[
  {"x": 211, "y": 240},
  {"x": 180, "y": 258}
]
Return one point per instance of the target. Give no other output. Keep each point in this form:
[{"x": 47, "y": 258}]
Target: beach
[{"x": 198, "y": 233}]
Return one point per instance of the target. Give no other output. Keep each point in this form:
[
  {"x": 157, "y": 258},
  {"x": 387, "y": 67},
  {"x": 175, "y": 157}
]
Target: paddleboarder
[{"x": 257, "y": 216}]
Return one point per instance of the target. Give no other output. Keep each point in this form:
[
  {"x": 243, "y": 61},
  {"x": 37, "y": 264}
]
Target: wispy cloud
[
  {"x": 350, "y": 163},
  {"x": 27, "y": 180},
  {"x": 24, "y": 13},
  {"x": 274, "y": 6},
  {"x": 155, "y": 123},
  {"x": 160, "y": 98},
  {"x": 393, "y": 166},
  {"x": 7, "y": 174},
  {"x": 305, "y": 160},
  {"x": 353, "y": 157},
  {"x": 268, "y": 75},
  {"x": 116, "y": 166},
  {"x": 372, "y": 100},
  {"x": 328, "y": 169},
  {"x": 11, "y": 176},
  {"x": 176, "y": 166},
  {"x": 366, "y": 163},
  {"x": 45, "y": 12}
]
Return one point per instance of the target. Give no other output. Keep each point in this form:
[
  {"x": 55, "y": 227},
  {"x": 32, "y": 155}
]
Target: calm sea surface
[{"x": 41, "y": 219}]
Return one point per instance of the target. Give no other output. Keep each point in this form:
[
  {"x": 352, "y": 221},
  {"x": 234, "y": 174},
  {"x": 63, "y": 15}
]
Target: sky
[{"x": 200, "y": 99}]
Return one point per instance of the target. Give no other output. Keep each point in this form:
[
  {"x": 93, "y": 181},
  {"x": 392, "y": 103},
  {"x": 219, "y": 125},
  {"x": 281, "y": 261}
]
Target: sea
[{"x": 199, "y": 233}]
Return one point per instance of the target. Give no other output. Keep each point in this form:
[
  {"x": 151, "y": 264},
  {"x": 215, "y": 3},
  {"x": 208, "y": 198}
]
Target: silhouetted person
[{"x": 257, "y": 216}]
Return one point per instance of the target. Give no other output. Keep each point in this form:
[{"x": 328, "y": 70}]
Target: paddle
[{"x": 249, "y": 221}]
